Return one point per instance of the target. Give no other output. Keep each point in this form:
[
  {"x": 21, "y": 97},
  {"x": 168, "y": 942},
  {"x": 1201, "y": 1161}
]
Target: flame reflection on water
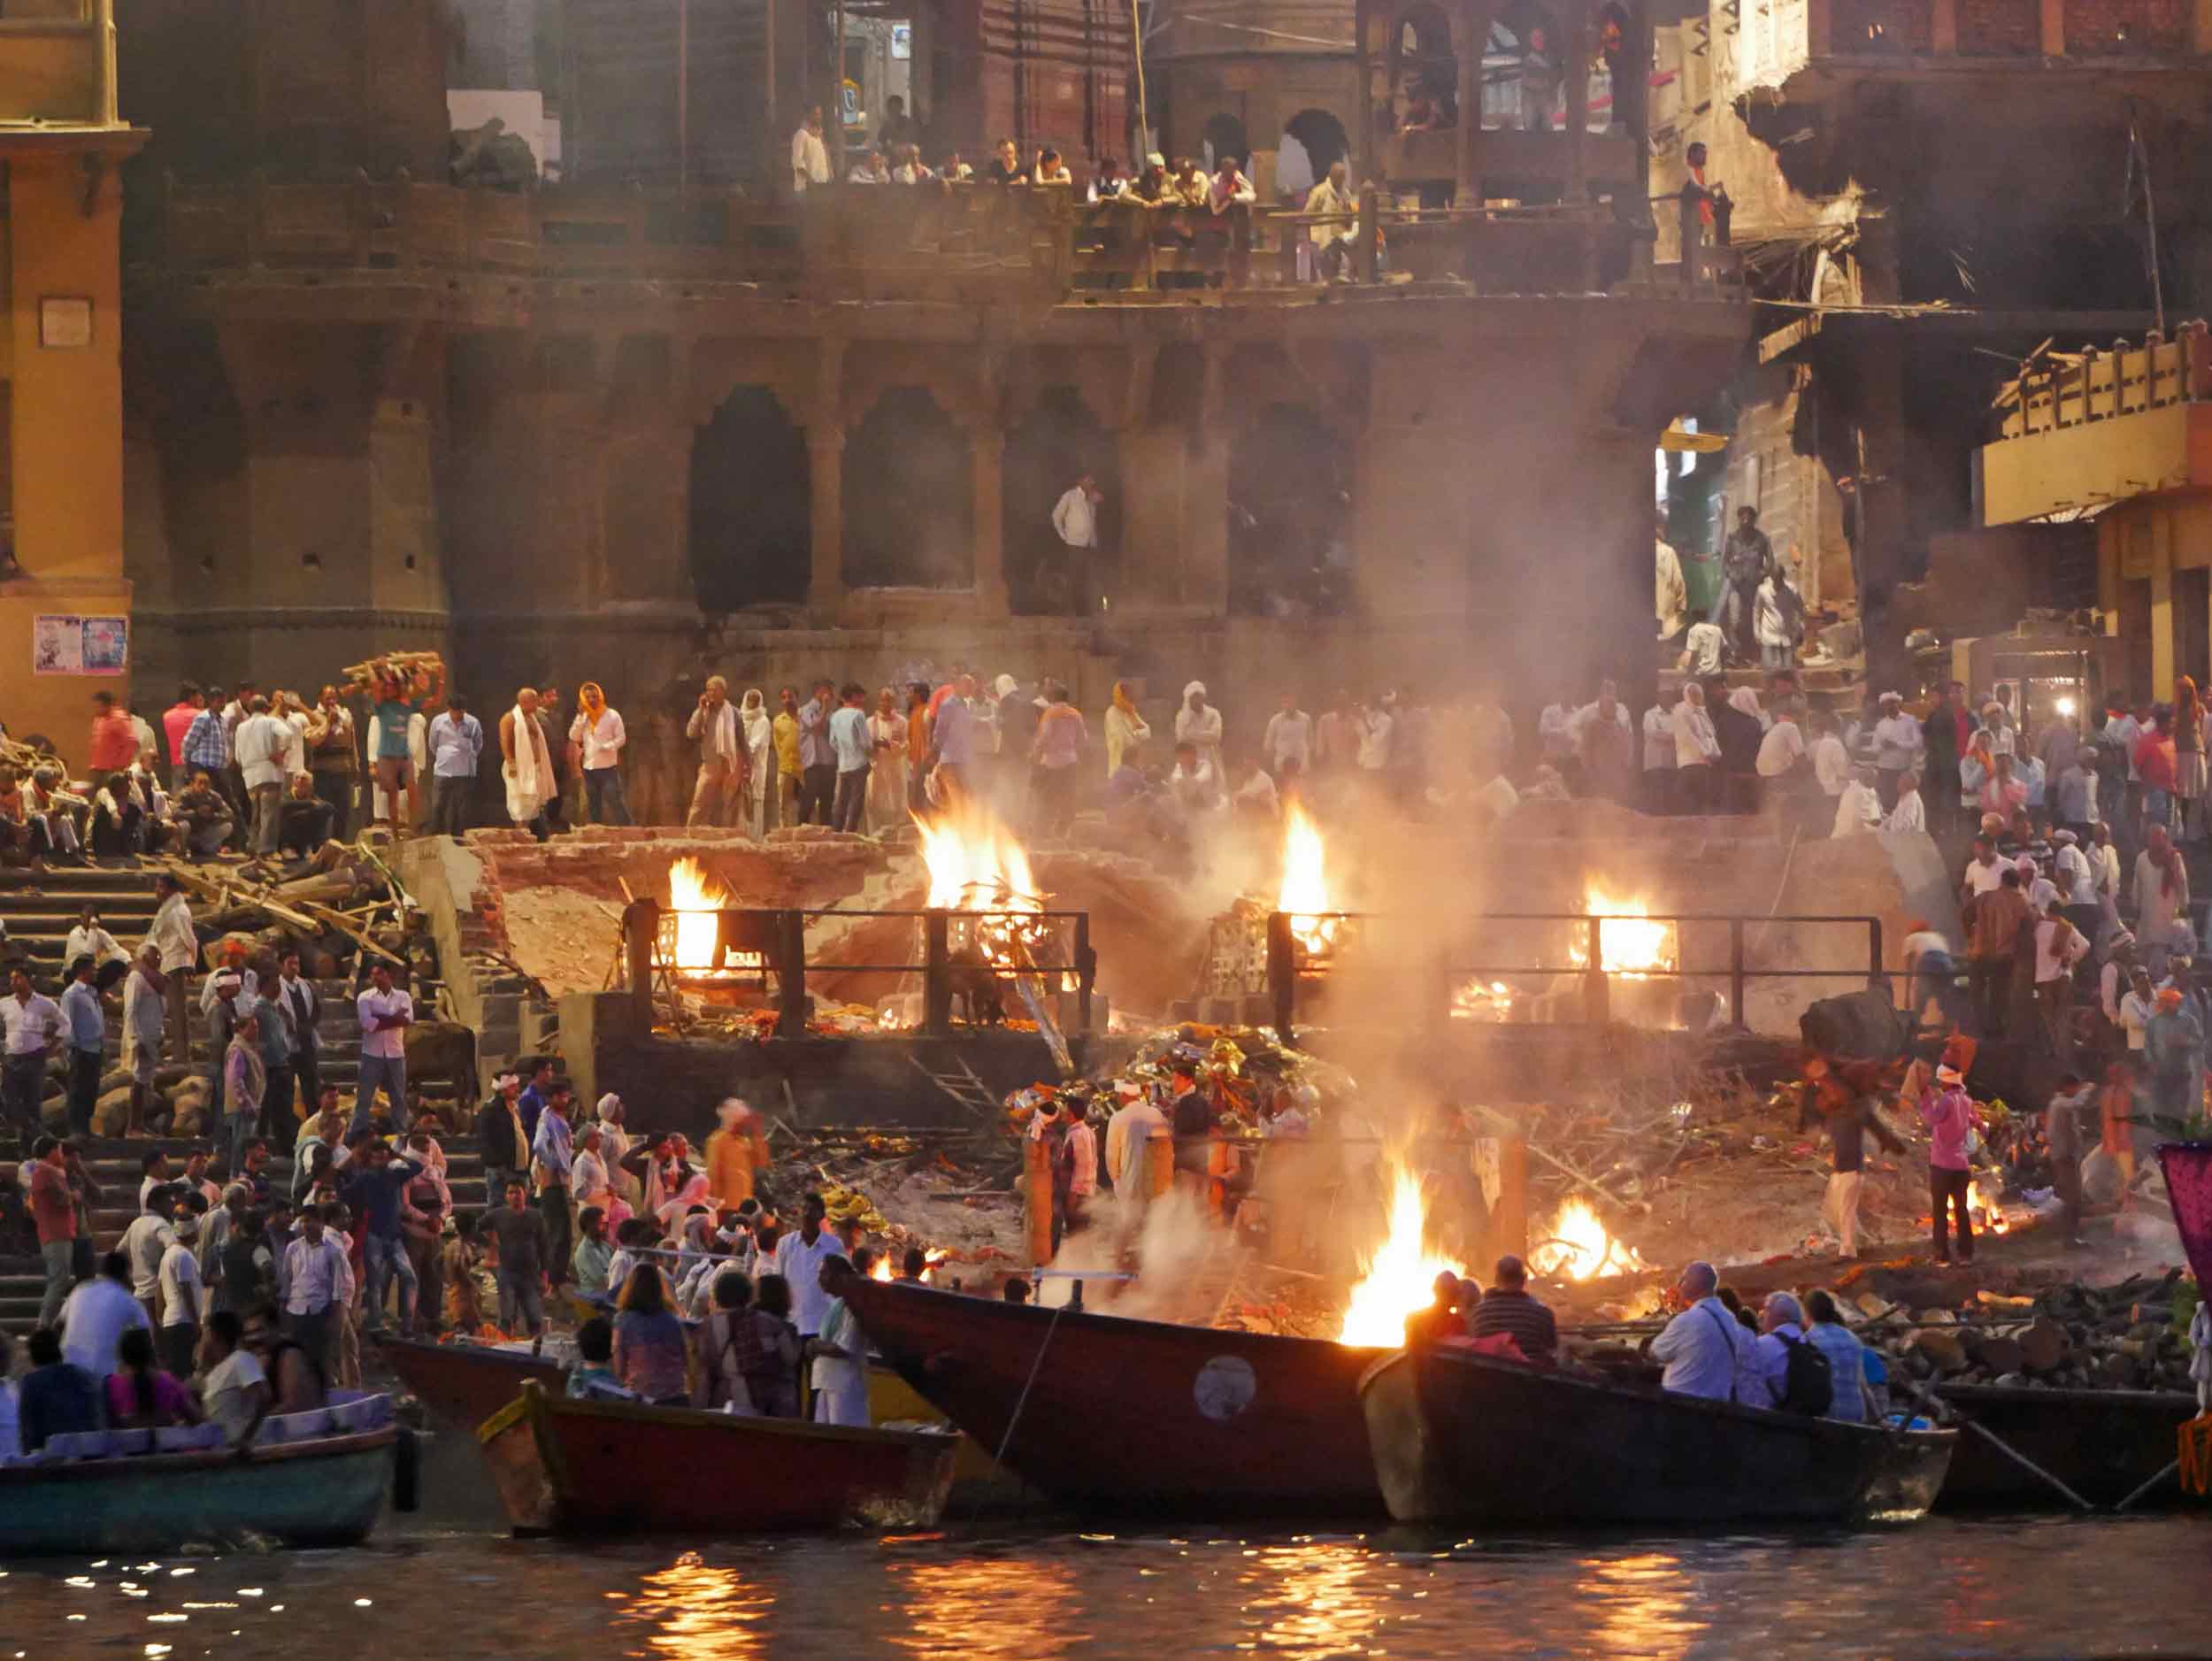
[
  {"x": 979, "y": 1606},
  {"x": 695, "y": 1612}
]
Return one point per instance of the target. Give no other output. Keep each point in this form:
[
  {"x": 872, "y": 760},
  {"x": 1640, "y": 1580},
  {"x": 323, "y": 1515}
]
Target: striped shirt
[
  {"x": 206, "y": 743},
  {"x": 1529, "y": 1323}
]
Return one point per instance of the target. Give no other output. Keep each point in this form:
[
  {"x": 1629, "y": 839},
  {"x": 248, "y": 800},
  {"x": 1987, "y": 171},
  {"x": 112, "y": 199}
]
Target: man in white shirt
[
  {"x": 799, "y": 1258},
  {"x": 236, "y": 1393},
  {"x": 1703, "y": 648},
  {"x": 1671, "y": 598},
  {"x": 1696, "y": 750},
  {"x": 35, "y": 1026},
  {"x": 267, "y": 751},
  {"x": 1287, "y": 743},
  {"x": 1069, "y": 576},
  {"x": 1909, "y": 814},
  {"x": 1985, "y": 872},
  {"x": 386, "y": 1013},
  {"x": 89, "y": 939},
  {"x": 1659, "y": 757},
  {"x": 1897, "y": 744},
  {"x": 97, "y": 1314},
  {"x": 316, "y": 1282},
  {"x": 171, "y": 936},
  {"x": 142, "y": 1245},
  {"x": 810, "y": 157},
  {"x": 1859, "y": 808},
  {"x": 1831, "y": 762},
  {"x": 1705, "y": 1349},
  {"x": 183, "y": 1296}
]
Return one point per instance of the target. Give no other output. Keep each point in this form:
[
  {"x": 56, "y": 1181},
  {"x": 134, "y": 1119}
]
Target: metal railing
[
  {"x": 777, "y": 938},
  {"x": 1289, "y": 962}
]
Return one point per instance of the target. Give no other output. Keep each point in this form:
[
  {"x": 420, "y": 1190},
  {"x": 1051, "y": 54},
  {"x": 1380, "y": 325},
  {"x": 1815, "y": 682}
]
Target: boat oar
[
  {"x": 2172, "y": 1466},
  {"x": 1920, "y": 1395}
]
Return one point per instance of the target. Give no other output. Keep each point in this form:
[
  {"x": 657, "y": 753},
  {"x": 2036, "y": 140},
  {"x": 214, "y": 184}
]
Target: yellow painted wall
[
  {"x": 2098, "y": 461},
  {"x": 64, "y": 433},
  {"x": 2151, "y": 537}
]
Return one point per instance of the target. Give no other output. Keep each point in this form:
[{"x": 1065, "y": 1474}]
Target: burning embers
[
  {"x": 691, "y": 927},
  {"x": 976, "y": 867},
  {"x": 1628, "y": 942},
  {"x": 1631, "y": 946},
  {"x": 1577, "y": 1247}
]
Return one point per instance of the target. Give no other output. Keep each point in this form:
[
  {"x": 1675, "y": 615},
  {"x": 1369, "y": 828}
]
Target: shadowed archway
[{"x": 751, "y": 530}]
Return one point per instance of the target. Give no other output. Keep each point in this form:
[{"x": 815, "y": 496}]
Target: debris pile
[
  {"x": 1246, "y": 1076},
  {"x": 904, "y": 1189},
  {"x": 2129, "y": 1336}
]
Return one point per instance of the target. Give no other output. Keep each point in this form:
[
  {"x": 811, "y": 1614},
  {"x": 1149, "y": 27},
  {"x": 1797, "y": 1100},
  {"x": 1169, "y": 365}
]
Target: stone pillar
[
  {"x": 826, "y": 477},
  {"x": 986, "y": 472},
  {"x": 1205, "y": 567}
]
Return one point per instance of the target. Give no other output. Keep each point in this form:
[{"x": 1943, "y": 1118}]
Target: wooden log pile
[{"x": 345, "y": 901}]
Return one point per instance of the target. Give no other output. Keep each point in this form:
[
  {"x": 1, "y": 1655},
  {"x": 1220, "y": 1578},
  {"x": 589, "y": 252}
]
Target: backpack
[{"x": 1808, "y": 1382}]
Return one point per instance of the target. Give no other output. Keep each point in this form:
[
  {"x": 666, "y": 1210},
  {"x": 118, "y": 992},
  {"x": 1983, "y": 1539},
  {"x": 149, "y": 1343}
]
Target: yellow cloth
[
  {"x": 786, "y": 728},
  {"x": 733, "y": 1157}
]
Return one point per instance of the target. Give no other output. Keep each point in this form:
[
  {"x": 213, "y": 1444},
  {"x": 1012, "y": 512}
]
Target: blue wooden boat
[{"x": 322, "y": 1484}]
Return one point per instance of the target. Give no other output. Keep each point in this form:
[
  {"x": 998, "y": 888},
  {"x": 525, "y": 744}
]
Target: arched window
[{"x": 751, "y": 524}]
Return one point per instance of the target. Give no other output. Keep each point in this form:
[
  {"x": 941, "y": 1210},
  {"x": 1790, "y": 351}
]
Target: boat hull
[
  {"x": 2103, "y": 1444},
  {"x": 612, "y": 1468},
  {"x": 325, "y": 1493},
  {"x": 1466, "y": 1438},
  {"x": 464, "y": 1382},
  {"x": 1111, "y": 1413}
]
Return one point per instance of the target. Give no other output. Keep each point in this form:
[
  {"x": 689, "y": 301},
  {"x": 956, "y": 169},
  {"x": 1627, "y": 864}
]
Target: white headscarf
[{"x": 530, "y": 774}]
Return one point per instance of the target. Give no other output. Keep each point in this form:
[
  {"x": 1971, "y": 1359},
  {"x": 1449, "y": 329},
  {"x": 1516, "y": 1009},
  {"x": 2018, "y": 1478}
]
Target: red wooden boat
[
  {"x": 468, "y": 1382},
  {"x": 591, "y": 1467},
  {"x": 1108, "y": 1411}
]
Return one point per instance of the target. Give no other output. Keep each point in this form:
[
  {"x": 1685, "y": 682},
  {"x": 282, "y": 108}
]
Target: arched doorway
[
  {"x": 751, "y": 524},
  {"x": 1318, "y": 137},
  {"x": 1223, "y": 137},
  {"x": 1290, "y": 517},
  {"x": 909, "y": 504},
  {"x": 1046, "y": 453},
  {"x": 1424, "y": 69}
]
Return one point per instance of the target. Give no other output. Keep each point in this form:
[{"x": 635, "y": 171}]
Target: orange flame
[
  {"x": 1305, "y": 891},
  {"x": 1629, "y": 945},
  {"x": 1401, "y": 1277},
  {"x": 1578, "y": 1247},
  {"x": 882, "y": 1270},
  {"x": 975, "y": 865}
]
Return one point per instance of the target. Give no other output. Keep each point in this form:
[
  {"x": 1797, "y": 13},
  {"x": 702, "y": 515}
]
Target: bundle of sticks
[{"x": 401, "y": 665}]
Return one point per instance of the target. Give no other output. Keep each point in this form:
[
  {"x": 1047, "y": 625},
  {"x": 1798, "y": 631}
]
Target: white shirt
[
  {"x": 1658, "y": 737},
  {"x": 97, "y": 1314},
  {"x": 587, "y": 1178},
  {"x": 809, "y": 160},
  {"x": 1695, "y": 744},
  {"x": 30, "y": 1023},
  {"x": 316, "y": 1277},
  {"x": 143, "y": 1243},
  {"x": 1897, "y": 740},
  {"x": 2071, "y": 871},
  {"x": 2127, "y": 732},
  {"x": 1289, "y": 738},
  {"x": 1980, "y": 878},
  {"x": 1703, "y": 646},
  {"x": 1706, "y": 1350},
  {"x": 1909, "y": 814},
  {"x": 263, "y": 748},
  {"x": 1258, "y": 792},
  {"x": 386, "y": 1041},
  {"x": 800, "y": 1264},
  {"x": 2135, "y": 1015},
  {"x": 1374, "y": 741},
  {"x": 180, "y": 1298},
  {"x": 1553, "y": 735},
  {"x": 1782, "y": 748},
  {"x": 1583, "y": 718},
  {"x": 2053, "y": 961},
  {"x": 95, "y": 943},
  {"x": 1075, "y": 519},
  {"x": 602, "y": 739},
  {"x": 170, "y": 934},
  {"x": 1831, "y": 764},
  {"x": 223, "y": 1392},
  {"x": 1857, "y": 809}
]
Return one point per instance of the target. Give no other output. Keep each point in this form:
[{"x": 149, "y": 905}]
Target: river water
[{"x": 449, "y": 1584}]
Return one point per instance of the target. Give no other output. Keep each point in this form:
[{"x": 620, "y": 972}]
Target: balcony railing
[
  {"x": 57, "y": 64},
  {"x": 2068, "y": 390},
  {"x": 956, "y": 242}
]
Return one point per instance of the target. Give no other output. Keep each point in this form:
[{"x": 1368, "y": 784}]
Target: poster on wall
[{"x": 80, "y": 645}]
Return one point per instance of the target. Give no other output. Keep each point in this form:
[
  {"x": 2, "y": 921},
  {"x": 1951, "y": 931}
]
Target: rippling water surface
[{"x": 1999, "y": 1586}]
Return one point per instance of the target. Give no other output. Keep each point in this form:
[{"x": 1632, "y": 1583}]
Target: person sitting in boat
[
  {"x": 718, "y": 1385},
  {"x": 1446, "y": 1317},
  {"x": 1846, "y": 1357},
  {"x": 1508, "y": 1309},
  {"x": 1779, "y": 1379},
  {"x": 768, "y": 1350},
  {"x": 594, "y": 1381},
  {"x": 140, "y": 1395},
  {"x": 56, "y": 1397},
  {"x": 296, "y": 1378},
  {"x": 233, "y": 1392},
  {"x": 649, "y": 1356},
  {"x": 1705, "y": 1352}
]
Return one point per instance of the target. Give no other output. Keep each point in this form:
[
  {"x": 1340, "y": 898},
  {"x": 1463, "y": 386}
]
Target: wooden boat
[
  {"x": 326, "y": 1491},
  {"x": 469, "y": 1382},
  {"x": 1111, "y": 1413},
  {"x": 1468, "y": 1438},
  {"x": 2103, "y": 1444},
  {"x": 585, "y": 1468}
]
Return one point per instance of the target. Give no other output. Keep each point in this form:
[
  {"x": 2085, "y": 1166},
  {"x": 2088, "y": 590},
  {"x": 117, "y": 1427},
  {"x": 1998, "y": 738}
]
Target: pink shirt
[
  {"x": 172, "y": 1400},
  {"x": 1948, "y": 1116}
]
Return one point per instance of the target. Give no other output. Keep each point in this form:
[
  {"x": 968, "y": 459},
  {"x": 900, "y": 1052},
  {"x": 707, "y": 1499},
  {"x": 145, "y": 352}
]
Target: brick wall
[
  {"x": 2094, "y": 27},
  {"x": 2000, "y": 27}
]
